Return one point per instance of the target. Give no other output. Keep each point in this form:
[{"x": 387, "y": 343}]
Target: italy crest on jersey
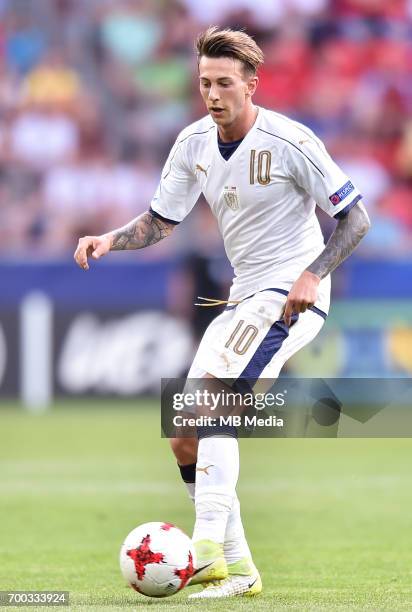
[{"x": 231, "y": 198}]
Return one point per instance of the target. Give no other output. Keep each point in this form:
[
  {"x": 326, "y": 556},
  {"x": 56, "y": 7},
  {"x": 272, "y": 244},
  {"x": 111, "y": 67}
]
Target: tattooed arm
[
  {"x": 139, "y": 233},
  {"x": 348, "y": 233}
]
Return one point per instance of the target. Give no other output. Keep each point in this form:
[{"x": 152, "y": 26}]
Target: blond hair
[{"x": 230, "y": 43}]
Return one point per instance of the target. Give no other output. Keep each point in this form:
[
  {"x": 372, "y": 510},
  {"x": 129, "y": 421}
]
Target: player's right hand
[{"x": 92, "y": 246}]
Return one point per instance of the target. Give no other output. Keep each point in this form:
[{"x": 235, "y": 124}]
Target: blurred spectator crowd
[{"x": 93, "y": 94}]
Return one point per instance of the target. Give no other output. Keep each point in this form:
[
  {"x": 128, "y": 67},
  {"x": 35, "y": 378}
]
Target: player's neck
[{"x": 239, "y": 128}]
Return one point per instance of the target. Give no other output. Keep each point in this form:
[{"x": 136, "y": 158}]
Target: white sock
[
  {"x": 190, "y": 486},
  {"x": 215, "y": 486},
  {"x": 235, "y": 546}
]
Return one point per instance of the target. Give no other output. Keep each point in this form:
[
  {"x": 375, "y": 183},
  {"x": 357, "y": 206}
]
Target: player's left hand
[{"x": 303, "y": 294}]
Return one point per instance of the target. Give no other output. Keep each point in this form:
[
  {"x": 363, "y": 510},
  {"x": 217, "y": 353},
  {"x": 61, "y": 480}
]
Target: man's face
[{"x": 225, "y": 88}]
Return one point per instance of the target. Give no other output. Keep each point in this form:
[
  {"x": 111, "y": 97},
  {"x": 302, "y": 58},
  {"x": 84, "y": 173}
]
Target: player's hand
[
  {"x": 303, "y": 294},
  {"x": 92, "y": 246}
]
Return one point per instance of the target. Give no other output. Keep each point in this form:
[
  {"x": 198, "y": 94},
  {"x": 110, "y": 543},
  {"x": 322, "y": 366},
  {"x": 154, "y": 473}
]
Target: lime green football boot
[
  {"x": 210, "y": 562},
  {"x": 243, "y": 580}
]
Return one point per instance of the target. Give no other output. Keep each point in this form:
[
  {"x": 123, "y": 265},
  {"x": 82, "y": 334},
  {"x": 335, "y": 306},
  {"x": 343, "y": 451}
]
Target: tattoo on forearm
[
  {"x": 141, "y": 232},
  {"x": 346, "y": 236}
]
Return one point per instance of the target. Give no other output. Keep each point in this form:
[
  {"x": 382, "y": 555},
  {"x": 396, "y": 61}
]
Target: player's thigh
[
  {"x": 198, "y": 369},
  {"x": 234, "y": 338},
  {"x": 213, "y": 332},
  {"x": 300, "y": 334}
]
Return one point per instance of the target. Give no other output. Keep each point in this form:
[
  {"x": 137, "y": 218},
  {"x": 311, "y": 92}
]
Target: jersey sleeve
[
  {"x": 312, "y": 168},
  {"x": 178, "y": 190}
]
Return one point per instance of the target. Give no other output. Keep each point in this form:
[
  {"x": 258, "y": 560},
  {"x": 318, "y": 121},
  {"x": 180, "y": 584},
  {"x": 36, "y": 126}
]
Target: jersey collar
[{"x": 244, "y": 142}]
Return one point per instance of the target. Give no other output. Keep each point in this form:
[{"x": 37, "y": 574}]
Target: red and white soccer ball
[{"x": 157, "y": 559}]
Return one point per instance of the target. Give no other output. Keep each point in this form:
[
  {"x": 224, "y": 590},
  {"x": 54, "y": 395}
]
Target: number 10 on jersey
[{"x": 263, "y": 161}]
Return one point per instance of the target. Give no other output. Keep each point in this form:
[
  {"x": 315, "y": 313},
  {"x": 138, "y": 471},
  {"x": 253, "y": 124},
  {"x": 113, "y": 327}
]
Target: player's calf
[{"x": 185, "y": 450}]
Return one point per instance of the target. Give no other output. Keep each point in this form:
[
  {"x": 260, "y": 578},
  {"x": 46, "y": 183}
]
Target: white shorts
[{"x": 250, "y": 341}]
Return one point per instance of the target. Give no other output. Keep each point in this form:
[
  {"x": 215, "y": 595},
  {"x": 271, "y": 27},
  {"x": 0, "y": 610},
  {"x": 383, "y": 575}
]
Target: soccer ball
[{"x": 157, "y": 559}]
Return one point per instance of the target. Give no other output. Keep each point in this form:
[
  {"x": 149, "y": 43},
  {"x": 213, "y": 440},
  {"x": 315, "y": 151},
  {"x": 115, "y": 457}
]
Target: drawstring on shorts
[{"x": 214, "y": 302}]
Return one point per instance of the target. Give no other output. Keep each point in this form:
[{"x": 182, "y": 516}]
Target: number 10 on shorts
[{"x": 242, "y": 337}]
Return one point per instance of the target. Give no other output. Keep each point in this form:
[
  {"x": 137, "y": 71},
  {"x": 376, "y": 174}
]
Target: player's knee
[{"x": 184, "y": 449}]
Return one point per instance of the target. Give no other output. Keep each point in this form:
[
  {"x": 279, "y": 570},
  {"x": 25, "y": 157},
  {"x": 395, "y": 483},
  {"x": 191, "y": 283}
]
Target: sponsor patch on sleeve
[{"x": 342, "y": 193}]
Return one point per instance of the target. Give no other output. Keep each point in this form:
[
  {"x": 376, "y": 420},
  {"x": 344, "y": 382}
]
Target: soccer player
[{"x": 262, "y": 175}]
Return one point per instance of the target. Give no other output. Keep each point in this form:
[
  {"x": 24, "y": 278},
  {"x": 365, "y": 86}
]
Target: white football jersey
[{"x": 263, "y": 198}]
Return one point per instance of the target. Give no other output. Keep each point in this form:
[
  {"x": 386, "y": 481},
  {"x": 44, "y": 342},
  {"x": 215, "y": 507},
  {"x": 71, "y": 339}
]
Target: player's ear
[{"x": 252, "y": 83}]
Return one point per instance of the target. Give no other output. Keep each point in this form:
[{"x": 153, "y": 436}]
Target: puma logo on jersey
[
  {"x": 199, "y": 167},
  {"x": 301, "y": 142},
  {"x": 204, "y": 469}
]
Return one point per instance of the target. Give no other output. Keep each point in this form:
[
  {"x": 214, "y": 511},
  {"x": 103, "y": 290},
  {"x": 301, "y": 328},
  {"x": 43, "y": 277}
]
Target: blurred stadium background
[{"x": 92, "y": 96}]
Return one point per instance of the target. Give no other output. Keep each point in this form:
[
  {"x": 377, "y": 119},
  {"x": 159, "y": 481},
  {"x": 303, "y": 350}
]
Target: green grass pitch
[{"x": 329, "y": 521}]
